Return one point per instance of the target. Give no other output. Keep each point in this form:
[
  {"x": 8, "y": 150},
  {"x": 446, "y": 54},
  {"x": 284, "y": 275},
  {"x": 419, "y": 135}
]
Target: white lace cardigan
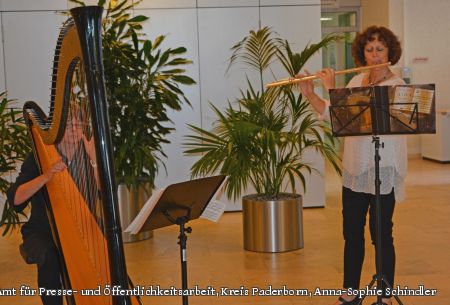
[{"x": 358, "y": 160}]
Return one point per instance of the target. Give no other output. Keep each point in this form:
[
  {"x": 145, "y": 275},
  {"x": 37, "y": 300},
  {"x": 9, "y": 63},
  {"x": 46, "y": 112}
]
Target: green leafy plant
[
  {"x": 142, "y": 84},
  {"x": 262, "y": 139},
  {"x": 14, "y": 147}
]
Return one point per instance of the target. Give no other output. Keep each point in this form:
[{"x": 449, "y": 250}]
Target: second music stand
[{"x": 179, "y": 203}]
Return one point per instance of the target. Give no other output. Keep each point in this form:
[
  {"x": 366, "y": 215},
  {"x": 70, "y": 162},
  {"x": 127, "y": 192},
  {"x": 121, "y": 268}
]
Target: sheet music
[
  {"x": 403, "y": 96},
  {"x": 215, "y": 207},
  {"x": 424, "y": 99},
  {"x": 214, "y": 210},
  {"x": 137, "y": 223},
  {"x": 408, "y": 97}
]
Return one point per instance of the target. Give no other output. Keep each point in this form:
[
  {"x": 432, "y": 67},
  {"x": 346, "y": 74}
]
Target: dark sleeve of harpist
[{"x": 28, "y": 172}]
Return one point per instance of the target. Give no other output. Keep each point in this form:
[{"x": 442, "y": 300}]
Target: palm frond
[
  {"x": 294, "y": 62},
  {"x": 260, "y": 140},
  {"x": 257, "y": 50}
]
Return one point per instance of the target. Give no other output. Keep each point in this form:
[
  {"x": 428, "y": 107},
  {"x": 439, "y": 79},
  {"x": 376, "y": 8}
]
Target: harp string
[
  {"x": 75, "y": 150},
  {"x": 91, "y": 176}
]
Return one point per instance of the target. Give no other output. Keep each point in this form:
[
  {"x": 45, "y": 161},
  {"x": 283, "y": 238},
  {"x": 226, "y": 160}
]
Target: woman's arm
[
  {"x": 28, "y": 189},
  {"x": 327, "y": 77}
]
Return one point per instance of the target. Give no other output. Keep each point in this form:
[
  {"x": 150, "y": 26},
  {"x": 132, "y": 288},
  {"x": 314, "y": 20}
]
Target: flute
[{"x": 290, "y": 81}]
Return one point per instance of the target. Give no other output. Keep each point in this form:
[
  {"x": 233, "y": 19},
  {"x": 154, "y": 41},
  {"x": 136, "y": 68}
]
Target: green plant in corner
[
  {"x": 262, "y": 139},
  {"x": 14, "y": 147},
  {"x": 142, "y": 84}
]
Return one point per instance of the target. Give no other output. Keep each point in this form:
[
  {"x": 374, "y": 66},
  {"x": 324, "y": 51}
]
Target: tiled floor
[{"x": 216, "y": 257}]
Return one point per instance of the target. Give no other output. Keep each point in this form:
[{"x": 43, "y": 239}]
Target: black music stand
[
  {"x": 178, "y": 204},
  {"x": 382, "y": 110}
]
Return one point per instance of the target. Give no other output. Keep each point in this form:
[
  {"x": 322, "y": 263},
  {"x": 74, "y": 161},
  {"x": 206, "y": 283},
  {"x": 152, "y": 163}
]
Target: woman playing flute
[{"x": 376, "y": 45}]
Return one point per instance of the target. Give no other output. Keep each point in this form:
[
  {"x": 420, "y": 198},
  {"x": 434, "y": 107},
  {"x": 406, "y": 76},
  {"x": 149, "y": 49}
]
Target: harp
[{"x": 81, "y": 200}]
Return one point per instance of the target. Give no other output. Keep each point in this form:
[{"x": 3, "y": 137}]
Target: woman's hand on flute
[
  {"x": 306, "y": 87},
  {"x": 328, "y": 78}
]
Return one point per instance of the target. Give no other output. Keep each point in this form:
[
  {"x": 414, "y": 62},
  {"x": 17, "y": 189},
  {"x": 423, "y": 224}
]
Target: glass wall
[{"x": 339, "y": 54}]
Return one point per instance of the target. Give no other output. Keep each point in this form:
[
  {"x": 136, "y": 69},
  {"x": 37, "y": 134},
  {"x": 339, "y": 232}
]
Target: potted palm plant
[
  {"x": 261, "y": 141},
  {"x": 14, "y": 147}
]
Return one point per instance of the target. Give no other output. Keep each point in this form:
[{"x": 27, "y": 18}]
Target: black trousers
[
  {"x": 49, "y": 277},
  {"x": 354, "y": 211}
]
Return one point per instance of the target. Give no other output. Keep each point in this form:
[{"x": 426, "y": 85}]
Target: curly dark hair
[{"x": 382, "y": 34}]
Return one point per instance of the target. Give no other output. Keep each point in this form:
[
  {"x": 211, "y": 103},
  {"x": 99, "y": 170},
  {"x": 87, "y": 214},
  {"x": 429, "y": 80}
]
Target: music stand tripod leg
[
  {"x": 378, "y": 277},
  {"x": 182, "y": 241}
]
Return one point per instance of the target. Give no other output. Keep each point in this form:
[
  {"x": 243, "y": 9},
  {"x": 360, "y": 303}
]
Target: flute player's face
[{"x": 376, "y": 52}]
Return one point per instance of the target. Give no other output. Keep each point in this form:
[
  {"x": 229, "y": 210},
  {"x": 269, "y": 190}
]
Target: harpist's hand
[
  {"x": 56, "y": 167},
  {"x": 28, "y": 189}
]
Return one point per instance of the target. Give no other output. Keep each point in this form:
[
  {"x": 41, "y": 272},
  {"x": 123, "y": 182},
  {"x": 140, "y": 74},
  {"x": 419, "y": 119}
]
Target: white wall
[
  {"x": 423, "y": 28},
  {"x": 33, "y": 5},
  {"x": 29, "y": 45},
  {"x": 2, "y": 66},
  {"x": 207, "y": 28},
  {"x": 427, "y": 29},
  {"x": 396, "y": 23},
  {"x": 181, "y": 33}
]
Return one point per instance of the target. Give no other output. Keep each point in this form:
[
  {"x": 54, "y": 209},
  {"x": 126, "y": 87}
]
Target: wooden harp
[{"x": 81, "y": 200}]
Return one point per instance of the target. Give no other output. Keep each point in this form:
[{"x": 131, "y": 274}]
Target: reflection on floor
[{"x": 216, "y": 257}]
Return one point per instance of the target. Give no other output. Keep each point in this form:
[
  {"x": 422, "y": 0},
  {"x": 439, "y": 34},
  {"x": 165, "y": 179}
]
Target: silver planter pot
[
  {"x": 272, "y": 225},
  {"x": 130, "y": 203}
]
